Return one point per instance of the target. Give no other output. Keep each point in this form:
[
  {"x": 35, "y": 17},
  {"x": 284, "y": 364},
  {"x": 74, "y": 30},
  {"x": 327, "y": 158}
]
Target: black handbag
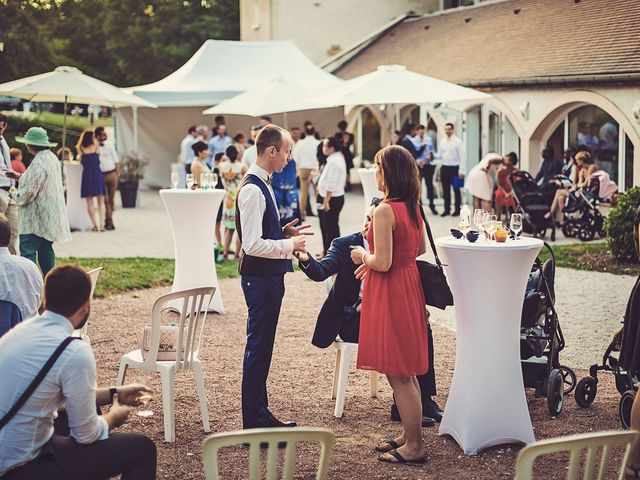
[{"x": 434, "y": 282}]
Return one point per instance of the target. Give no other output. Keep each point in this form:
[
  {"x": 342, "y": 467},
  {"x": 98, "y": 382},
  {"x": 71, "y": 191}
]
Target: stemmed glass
[
  {"x": 478, "y": 216},
  {"x": 205, "y": 182},
  {"x": 175, "y": 179},
  {"x": 214, "y": 180},
  {"x": 190, "y": 181},
  {"x": 516, "y": 224},
  {"x": 490, "y": 224}
]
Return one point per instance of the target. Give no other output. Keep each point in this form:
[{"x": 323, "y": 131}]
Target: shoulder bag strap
[
  {"x": 430, "y": 235},
  {"x": 36, "y": 381}
]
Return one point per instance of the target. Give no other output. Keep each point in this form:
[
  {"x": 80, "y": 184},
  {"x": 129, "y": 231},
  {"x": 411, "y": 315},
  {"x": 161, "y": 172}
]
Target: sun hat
[{"x": 36, "y": 136}]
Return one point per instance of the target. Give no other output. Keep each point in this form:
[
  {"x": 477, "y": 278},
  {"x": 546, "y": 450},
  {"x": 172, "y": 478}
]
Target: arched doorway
[{"x": 583, "y": 125}]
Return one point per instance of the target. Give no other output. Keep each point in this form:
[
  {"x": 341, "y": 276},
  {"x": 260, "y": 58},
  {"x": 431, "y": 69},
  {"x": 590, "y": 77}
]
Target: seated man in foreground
[
  {"x": 340, "y": 314},
  {"x": 80, "y": 445},
  {"x": 20, "y": 278}
]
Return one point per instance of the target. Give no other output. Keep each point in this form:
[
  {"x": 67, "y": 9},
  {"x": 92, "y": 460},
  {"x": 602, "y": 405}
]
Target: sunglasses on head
[{"x": 375, "y": 201}]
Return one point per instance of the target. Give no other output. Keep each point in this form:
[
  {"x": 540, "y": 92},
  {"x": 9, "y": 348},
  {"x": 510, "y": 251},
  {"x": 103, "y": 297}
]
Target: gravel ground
[{"x": 300, "y": 386}]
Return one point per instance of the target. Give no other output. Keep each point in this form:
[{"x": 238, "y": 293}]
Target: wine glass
[
  {"x": 490, "y": 224},
  {"x": 175, "y": 179},
  {"x": 205, "y": 181},
  {"x": 478, "y": 216},
  {"x": 214, "y": 180},
  {"x": 145, "y": 399},
  {"x": 190, "y": 181},
  {"x": 516, "y": 224},
  {"x": 463, "y": 224}
]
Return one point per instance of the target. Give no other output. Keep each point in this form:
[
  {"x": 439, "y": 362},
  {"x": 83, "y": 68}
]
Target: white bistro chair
[
  {"x": 593, "y": 443},
  {"x": 344, "y": 352},
  {"x": 271, "y": 436},
  {"x": 82, "y": 332},
  {"x": 195, "y": 304}
]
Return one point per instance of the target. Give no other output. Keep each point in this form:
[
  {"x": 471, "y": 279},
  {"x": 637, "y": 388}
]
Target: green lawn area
[
  {"x": 591, "y": 256},
  {"x": 124, "y": 274}
]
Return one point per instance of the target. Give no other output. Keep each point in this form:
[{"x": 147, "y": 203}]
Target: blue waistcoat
[{"x": 271, "y": 230}]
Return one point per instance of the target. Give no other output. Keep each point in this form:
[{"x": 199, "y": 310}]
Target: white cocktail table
[
  {"x": 193, "y": 220},
  {"x": 487, "y": 404},
  {"x": 76, "y": 206},
  {"x": 369, "y": 187}
]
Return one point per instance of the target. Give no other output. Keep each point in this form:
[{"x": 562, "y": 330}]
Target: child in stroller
[
  {"x": 531, "y": 202},
  {"x": 541, "y": 338}
]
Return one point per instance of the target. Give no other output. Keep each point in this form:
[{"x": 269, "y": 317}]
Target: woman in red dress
[
  {"x": 393, "y": 317},
  {"x": 505, "y": 202}
]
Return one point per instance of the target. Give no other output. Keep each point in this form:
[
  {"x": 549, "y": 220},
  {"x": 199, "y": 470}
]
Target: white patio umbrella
[
  {"x": 279, "y": 95},
  {"x": 68, "y": 84},
  {"x": 394, "y": 85}
]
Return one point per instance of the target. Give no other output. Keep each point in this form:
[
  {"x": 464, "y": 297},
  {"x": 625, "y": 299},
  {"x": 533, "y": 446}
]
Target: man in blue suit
[
  {"x": 266, "y": 254},
  {"x": 340, "y": 314}
]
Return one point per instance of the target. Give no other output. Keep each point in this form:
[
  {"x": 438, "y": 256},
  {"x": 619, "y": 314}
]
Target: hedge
[{"x": 620, "y": 225}]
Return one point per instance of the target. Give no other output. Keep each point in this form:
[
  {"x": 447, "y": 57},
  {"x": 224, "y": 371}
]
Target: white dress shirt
[
  {"x": 334, "y": 176},
  {"x": 305, "y": 152},
  {"x": 71, "y": 382},
  {"x": 186, "y": 152},
  {"x": 108, "y": 157},
  {"x": 450, "y": 151},
  {"x": 252, "y": 205},
  {"x": 20, "y": 283},
  {"x": 249, "y": 156},
  {"x": 5, "y": 162}
]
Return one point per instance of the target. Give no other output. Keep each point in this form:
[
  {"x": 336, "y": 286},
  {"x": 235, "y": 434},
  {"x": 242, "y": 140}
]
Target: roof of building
[{"x": 511, "y": 42}]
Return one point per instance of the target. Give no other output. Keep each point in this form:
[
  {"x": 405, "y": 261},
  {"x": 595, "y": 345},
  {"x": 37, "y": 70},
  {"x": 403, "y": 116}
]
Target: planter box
[{"x": 128, "y": 194}]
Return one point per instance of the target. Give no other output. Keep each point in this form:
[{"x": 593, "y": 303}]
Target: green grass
[
  {"x": 591, "y": 256},
  {"x": 124, "y": 274}
]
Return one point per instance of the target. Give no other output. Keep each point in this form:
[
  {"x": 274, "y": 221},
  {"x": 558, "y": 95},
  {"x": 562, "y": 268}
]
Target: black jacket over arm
[{"x": 332, "y": 319}]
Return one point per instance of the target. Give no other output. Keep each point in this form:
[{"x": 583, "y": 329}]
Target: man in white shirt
[
  {"x": 20, "y": 278},
  {"x": 8, "y": 206},
  {"x": 425, "y": 163},
  {"x": 451, "y": 175},
  {"x": 250, "y": 154},
  {"x": 306, "y": 155},
  {"x": 110, "y": 167},
  {"x": 266, "y": 254},
  {"x": 186, "y": 153},
  {"x": 79, "y": 443},
  {"x": 331, "y": 191}
]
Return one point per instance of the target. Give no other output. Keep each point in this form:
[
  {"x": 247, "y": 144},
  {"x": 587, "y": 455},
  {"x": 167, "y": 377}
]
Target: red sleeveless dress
[{"x": 393, "y": 323}]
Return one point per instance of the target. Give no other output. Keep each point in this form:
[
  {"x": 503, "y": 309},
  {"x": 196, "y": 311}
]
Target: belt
[{"x": 110, "y": 171}]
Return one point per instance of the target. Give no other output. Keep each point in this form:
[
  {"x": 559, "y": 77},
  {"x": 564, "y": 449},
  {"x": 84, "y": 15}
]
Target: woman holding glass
[
  {"x": 393, "y": 334},
  {"x": 198, "y": 165},
  {"x": 231, "y": 171}
]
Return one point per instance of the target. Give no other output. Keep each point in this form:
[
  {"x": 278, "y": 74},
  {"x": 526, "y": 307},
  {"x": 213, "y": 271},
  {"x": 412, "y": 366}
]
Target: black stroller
[
  {"x": 582, "y": 218},
  {"x": 532, "y": 203},
  {"x": 541, "y": 338}
]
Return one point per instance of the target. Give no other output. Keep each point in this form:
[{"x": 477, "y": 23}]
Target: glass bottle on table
[
  {"x": 464, "y": 222},
  {"x": 190, "y": 181}
]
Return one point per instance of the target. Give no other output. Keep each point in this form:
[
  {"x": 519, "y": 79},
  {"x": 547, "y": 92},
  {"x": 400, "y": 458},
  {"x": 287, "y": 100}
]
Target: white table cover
[
  {"x": 76, "y": 206},
  {"x": 487, "y": 404},
  {"x": 369, "y": 187},
  {"x": 193, "y": 219}
]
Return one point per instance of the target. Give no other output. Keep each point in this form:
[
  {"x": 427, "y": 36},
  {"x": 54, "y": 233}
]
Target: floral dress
[{"x": 231, "y": 175}]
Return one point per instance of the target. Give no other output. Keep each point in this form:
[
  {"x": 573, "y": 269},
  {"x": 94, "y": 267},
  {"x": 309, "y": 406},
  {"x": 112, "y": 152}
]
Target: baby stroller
[
  {"x": 625, "y": 381},
  {"x": 533, "y": 205},
  {"x": 541, "y": 338},
  {"x": 582, "y": 218}
]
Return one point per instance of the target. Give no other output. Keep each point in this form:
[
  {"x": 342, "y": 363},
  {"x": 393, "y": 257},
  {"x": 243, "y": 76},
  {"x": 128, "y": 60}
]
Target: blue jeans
[
  {"x": 39, "y": 250},
  {"x": 263, "y": 295}
]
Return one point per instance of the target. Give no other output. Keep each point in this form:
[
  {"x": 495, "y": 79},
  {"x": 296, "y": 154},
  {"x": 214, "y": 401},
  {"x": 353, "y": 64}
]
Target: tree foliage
[
  {"x": 620, "y": 225},
  {"x": 124, "y": 42}
]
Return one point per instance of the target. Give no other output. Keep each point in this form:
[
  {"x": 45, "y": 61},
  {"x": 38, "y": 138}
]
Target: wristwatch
[{"x": 112, "y": 392}]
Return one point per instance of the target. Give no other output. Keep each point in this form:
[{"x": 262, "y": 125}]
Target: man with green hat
[{"x": 43, "y": 214}]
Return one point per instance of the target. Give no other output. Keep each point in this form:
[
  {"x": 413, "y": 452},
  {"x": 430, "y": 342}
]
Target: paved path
[{"x": 590, "y": 304}]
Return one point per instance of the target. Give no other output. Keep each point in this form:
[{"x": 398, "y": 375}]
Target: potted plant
[{"x": 132, "y": 171}]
